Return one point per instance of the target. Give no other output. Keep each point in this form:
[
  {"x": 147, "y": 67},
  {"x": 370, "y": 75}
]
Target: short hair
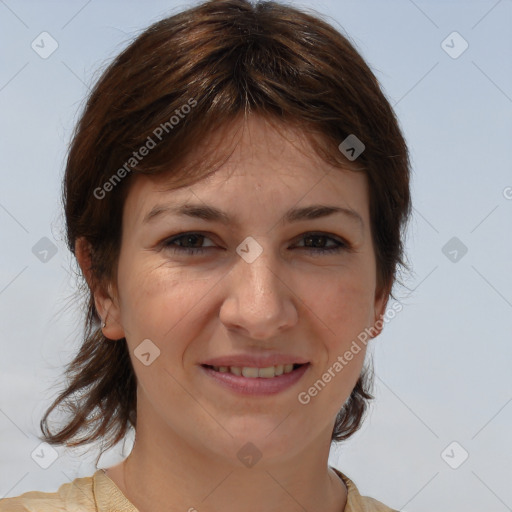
[{"x": 182, "y": 79}]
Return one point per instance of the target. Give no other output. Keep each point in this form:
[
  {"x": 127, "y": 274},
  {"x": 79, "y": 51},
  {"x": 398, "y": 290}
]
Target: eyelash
[{"x": 340, "y": 245}]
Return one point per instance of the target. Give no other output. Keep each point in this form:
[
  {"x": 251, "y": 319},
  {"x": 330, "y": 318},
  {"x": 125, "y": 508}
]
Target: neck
[
  {"x": 155, "y": 480},
  {"x": 208, "y": 468}
]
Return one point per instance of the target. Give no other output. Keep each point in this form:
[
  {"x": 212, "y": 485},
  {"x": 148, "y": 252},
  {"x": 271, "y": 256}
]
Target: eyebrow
[{"x": 213, "y": 214}]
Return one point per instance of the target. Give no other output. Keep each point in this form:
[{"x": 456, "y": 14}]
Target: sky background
[{"x": 442, "y": 365}]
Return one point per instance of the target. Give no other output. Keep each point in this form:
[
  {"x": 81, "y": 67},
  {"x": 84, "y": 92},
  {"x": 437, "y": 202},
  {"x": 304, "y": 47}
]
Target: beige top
[{"x": 98, "y": 493}]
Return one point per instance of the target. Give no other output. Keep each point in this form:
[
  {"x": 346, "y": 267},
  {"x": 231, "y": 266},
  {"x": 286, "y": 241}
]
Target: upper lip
[{"x": 261, "y": 361}]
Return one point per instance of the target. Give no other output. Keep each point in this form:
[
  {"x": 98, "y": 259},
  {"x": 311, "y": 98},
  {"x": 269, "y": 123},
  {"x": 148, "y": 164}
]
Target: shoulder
[
  {"x": 71, "y": 496},
  {"x": 358, "y": 503}
]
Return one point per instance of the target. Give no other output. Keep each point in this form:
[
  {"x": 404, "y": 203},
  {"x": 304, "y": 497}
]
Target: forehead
[{"x": 267, "y": 167}]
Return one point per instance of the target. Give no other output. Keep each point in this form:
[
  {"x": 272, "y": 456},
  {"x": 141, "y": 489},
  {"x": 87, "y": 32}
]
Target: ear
[
  {"x": 105, "y": 301},
  {"x": 381, "y": 302}
]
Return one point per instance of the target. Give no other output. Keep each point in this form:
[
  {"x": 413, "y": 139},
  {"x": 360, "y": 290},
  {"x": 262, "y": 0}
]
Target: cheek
[
  {"x": 343, "y": 310},
  {"x": 157, "y": 299},
  {"x": 343, "y": 303}
]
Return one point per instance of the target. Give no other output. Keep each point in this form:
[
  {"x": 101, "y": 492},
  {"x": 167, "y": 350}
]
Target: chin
[{"x": 265, "y": 441}]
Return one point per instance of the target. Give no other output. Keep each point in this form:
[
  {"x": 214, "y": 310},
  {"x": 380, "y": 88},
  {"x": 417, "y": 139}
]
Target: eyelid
[{"x": 337, "y": 238}]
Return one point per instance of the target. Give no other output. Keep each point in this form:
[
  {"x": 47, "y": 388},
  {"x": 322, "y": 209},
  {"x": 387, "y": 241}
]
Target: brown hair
[{"x": 182, "y": 79}]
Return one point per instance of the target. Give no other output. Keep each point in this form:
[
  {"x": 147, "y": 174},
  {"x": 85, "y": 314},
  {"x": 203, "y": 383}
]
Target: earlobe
[
  {"x": 111, "y": 326},
  {"x": 108, "y": 309}
]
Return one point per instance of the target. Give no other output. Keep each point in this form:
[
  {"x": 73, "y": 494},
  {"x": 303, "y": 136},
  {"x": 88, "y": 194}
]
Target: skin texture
[{"x": 195, "y": 307}]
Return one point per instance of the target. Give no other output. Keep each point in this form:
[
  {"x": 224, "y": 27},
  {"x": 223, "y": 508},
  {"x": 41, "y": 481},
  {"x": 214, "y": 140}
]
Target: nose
[{"x": 259, "y": 303}]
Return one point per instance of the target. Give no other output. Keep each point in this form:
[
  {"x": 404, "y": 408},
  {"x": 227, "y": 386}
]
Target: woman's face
[{"x": 260, "y": 287}]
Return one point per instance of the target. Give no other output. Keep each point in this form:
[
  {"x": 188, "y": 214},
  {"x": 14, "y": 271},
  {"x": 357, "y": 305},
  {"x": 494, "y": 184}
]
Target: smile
[
  {"x": 252, "y": 373},
  {"x": 256, "y": 381}
]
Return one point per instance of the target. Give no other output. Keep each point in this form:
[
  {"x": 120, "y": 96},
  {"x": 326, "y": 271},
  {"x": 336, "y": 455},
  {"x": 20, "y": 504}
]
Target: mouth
[
  {"x": 253, "y": 373},
  {"x": 248, "y": 380}
]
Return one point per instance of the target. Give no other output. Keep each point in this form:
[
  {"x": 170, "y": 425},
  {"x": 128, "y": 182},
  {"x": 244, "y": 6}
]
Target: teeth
[
  {"x": 265, "y": 373},
  {"x": 252, "y": 373}
]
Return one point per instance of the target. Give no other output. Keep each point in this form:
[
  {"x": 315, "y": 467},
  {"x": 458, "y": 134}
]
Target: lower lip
[{"x": 257, "y": 385}]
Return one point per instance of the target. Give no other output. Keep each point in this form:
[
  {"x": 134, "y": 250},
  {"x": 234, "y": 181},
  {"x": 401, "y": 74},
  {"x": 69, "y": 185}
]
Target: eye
[
  {"x": 311, "y": 239},
  {"x": 191, "y": 243},
  {"x": 186, "y": 239}
]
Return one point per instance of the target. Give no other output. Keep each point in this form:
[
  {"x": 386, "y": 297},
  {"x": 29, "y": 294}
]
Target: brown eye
[
  {"x": 188, "y": 242},
  {"x": 191, "y": 243},
  {"x": 318, "y": 243}
]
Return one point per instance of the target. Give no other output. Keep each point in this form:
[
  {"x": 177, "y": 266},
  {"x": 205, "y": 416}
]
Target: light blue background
[{"x": 442, "y": 365}]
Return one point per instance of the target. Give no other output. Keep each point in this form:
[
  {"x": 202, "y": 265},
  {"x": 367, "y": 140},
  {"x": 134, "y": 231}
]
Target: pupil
[
  {"x": 316, "y": 238},
  {"x": 190, "y": 239}
]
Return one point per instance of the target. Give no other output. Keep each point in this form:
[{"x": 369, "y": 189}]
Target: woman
[{"x": 236, "y": 194}]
